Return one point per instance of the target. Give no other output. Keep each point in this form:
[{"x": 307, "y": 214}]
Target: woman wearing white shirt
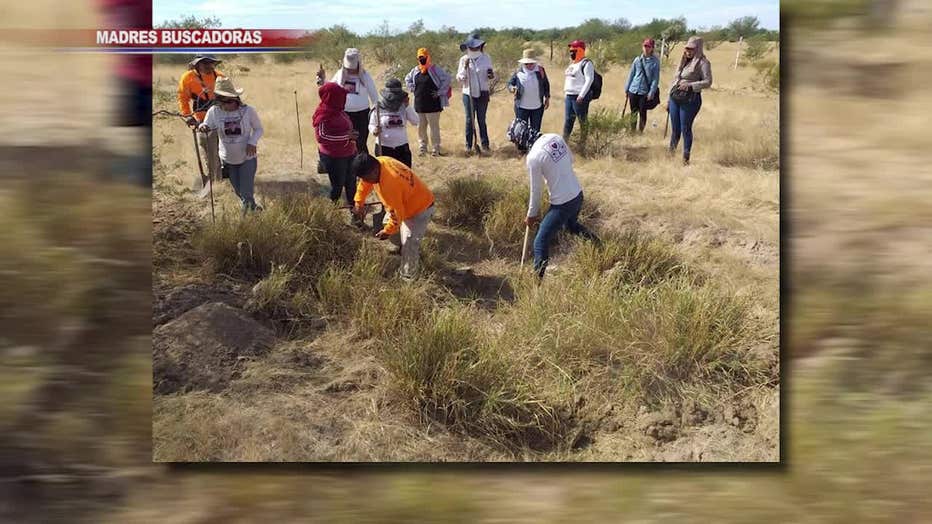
[
  {"x": 531, "y": 89},
  {"x": 388, "y": 123},
  {"x": 476, "y": 74},
  {"x": 360, "y": 89},
  {"x": 579, "y": 77},
  {"x": 239, "y": 130}
]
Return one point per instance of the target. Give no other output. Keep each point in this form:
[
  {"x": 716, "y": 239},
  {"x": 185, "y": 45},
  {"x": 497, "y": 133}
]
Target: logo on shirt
[
  {"x": 350, "y": 87},
  {"x": 233, "y": 127},
  {"x": 395, "y": 121},
  {"x": 556, "y": 149}
]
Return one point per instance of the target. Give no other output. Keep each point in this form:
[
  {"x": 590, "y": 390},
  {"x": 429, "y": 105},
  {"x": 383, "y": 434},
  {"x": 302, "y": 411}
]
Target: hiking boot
[
  {"x": 486, "y": 150},
  {"x": 685, "y": 158},
  {"x": 421, "y": 152},
  {"x": 436, "y": 152},
  {"x": 469, "y": 151}
]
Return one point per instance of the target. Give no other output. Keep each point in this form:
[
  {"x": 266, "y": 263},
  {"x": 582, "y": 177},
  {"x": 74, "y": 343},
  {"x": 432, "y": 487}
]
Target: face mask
[
  {"x": 422, "y": 60},
  {"x": 473, "y": 54},
  {"x": 573, "y": 54}
]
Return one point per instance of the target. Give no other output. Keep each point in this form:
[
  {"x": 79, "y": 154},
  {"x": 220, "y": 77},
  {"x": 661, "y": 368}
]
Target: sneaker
[
  {"x": 469, "y": 151},
  {"x": 421, "y": 152},
  {"x": 685, "y": 159},
  {"x": 436, "y": 152}
]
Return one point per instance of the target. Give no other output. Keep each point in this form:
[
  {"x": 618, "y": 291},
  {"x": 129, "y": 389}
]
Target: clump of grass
[
  {"x": 466, "y": 202},
  {"x": 656, "y": 339},
  {"x": 299, "y": 231},
  {"x": 447, "y": 367},
  {"x": 376, "y": 304},
  {"x": 504, "y": 225},
  {"x": 749, "y": 146},
  {"x": 630, "y": 258}
]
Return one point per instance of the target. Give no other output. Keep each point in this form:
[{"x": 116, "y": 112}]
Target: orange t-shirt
[
  {"x": 198, "y": 89},
  {"x": 400, "y": 190}
]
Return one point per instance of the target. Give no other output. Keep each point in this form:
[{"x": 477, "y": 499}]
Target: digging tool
[
  {"x": 209, "y": 184},
  {"x": 298, "y": 117},
  {"x": 376, "y": 217},
  {"x": 625, "y": 108},
  {"x": 666, "y": 122},
  {"x": 527, "y": 234},
  {"x": 472, "y": 109}
]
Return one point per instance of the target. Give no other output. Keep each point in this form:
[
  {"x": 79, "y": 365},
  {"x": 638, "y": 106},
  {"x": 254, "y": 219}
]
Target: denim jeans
[
  {"x": 338, "y": 169},
  {"x": 534, "y": 116},
  {"x": 575, "y": 109},
  {"x": 480, "y": 106},
  {"x": 681, "y": 120},
  {"x": 243, "y": 179},
  {"x": 558, "y": 216}
]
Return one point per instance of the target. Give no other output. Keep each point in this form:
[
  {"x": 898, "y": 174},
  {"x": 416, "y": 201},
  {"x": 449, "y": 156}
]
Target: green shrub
[
  {"x": 768, "y": 74},
  {"x": 605, "y": 129}
]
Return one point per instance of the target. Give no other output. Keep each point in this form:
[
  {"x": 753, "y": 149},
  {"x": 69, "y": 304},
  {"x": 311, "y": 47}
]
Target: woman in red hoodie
[{"x": 336, "y": 140}]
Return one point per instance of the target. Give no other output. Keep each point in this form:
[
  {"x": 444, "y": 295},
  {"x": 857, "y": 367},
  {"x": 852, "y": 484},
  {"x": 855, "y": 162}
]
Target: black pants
[
  {"x": 401, "y": 153},
  {"x": 360, "y": 120},
  {"x": 638, "y": 103},
  {"x": 338, "y": 169}
]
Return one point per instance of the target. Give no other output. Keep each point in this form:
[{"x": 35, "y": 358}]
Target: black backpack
[{"x": 595, "y": 91}]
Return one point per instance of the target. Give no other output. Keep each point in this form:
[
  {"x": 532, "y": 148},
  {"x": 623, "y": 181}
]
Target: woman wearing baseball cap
[
  {"x": 644, "y": 83},
  {"x": 579, "y": 77}
]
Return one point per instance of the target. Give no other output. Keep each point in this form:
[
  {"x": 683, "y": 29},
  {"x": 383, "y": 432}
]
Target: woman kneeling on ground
[{"x": 239, "y": 130}]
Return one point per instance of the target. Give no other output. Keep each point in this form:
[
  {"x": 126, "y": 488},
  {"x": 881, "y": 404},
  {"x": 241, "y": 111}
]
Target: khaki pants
[
  {"x": 433, "y": 119},
  {"x": 209, "y": 145},
  {"x": 411, "y": 234}
]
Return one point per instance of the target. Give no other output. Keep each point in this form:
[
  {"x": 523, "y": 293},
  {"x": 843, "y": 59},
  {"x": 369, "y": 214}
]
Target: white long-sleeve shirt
[
  {"x": 579, "y": 78},
  {"x": 530, "y": 95},
  {"x": 360, "y": 90},
  {"x": 550, "y": 162},
  {"x": 394, "y": 133},
  {"x": 478, "y": 74},
  {"x": 236, "y": 129}
]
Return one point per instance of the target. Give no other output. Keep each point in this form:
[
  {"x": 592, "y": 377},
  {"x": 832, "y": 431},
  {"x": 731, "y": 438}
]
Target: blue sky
[{"x": 362, "y": 16}]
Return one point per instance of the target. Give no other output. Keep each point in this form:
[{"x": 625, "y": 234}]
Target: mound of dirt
[{"x": 204, "y": 349}]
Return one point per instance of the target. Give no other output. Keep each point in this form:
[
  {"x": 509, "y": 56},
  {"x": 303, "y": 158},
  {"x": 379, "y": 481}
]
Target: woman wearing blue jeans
[
  {"x": 692, "y": 76},
  {"x": 239, "y": 130}
]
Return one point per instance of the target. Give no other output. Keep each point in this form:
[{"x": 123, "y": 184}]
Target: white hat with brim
[
  {"x": 225, "y": 87},
  {"x": 527, "y": 57},
  {"x": 351, "y": 58}
]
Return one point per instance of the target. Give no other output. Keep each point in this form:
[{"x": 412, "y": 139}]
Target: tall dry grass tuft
[
  {"x": 466, "y": 202},
  {"x": 376, "y": 304},
  {"x": 503, "y": 225},
  {"x": 632, "y": 257},
  {"x": 738, "y": 144},
  {"x": 448, "y": 368},
  {"x": 300, "y": 232}
]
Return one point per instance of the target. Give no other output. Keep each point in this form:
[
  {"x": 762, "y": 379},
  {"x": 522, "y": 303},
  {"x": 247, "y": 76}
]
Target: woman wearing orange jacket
[{"x": 195, "y": 96}]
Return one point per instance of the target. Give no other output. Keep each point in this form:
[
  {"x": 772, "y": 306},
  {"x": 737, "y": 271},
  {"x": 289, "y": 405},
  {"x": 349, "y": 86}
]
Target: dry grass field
[{"x": 662, "y": 345}]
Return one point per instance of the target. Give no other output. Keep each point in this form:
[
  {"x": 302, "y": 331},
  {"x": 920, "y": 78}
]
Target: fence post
[{"x": 738, "y": 52}]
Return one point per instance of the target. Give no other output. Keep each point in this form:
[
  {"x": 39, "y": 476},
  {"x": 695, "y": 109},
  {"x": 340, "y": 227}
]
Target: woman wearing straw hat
[
  {"x": 388, "y": 123},
  {"x": 531, "y": 89},
  {"x": 360, "y": 90},
  {"x": 239, "y": 129}
]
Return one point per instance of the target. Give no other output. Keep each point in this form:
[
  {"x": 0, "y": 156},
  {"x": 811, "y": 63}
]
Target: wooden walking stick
[
  {"x": 527, "y": 232},
  {"x": 205, "y": 180},
  {"x": 298, "y": 117},
  {"x": 378, "y": 124},
  {"x": 623, "y": 109},
  {"x": 666, "y": 121},
  {"x": 472, "y": 108}
]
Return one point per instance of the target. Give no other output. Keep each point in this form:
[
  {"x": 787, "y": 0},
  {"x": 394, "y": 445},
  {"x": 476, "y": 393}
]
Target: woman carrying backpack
[
  {"x": 643, "y": 83},
  {"x": 692, "y": 76},
  {"x": 531, "y": 89},
  {"x": 580, "y": 76}
]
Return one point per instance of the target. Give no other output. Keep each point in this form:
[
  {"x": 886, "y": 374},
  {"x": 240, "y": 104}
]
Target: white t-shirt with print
[
  {"x": 236, "y": 129},
  {"x": 550, "y": 162},
  {"x": 393, "y": 132}
]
